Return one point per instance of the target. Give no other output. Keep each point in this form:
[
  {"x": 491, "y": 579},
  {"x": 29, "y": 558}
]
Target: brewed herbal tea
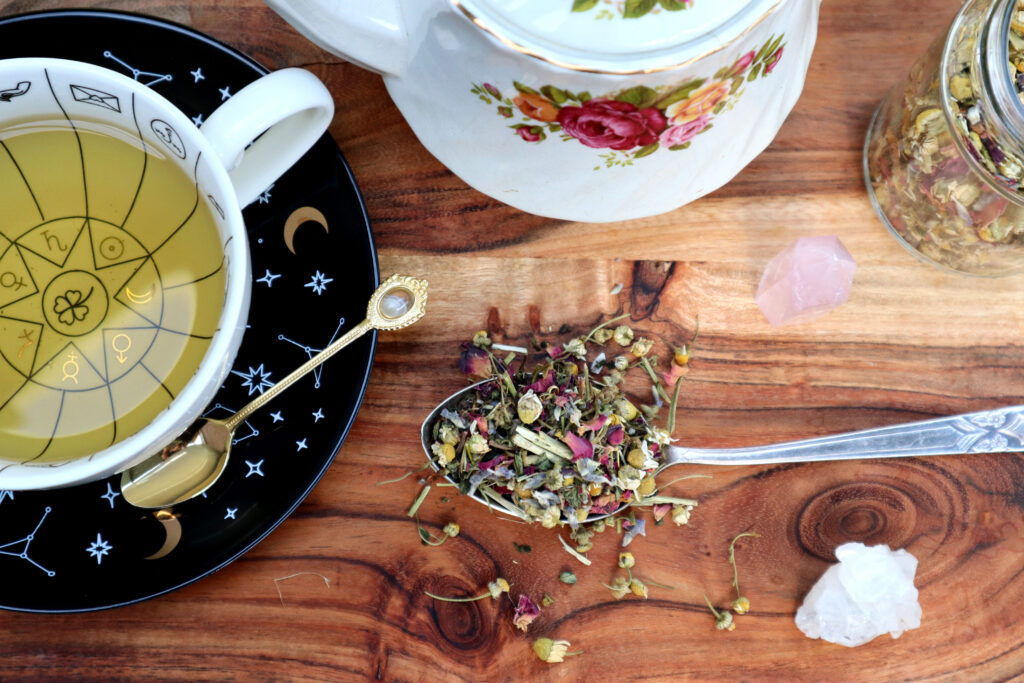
[{"x": 111, "y": 286}]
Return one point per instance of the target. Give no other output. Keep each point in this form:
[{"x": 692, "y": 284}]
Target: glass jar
[{"x": 944, "y": 155}]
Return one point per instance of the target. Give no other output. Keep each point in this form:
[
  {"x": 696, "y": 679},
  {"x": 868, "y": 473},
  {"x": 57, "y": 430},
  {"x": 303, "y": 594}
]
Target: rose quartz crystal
[{"x": 805, "y": 280}]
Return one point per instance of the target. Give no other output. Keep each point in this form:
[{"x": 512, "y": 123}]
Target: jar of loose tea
[{"x": 944, "y": 156}]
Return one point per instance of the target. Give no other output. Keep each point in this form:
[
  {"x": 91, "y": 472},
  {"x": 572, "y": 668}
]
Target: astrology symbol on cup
[
  {"x": 51, "y": 240},
  {"x": 120, "y": 349},
  {"x": 9, "y": 280},
  {"x": 29, "y": 341},
  {"x": 111, "y": 248},
  {"x": 70, "y": 368}
]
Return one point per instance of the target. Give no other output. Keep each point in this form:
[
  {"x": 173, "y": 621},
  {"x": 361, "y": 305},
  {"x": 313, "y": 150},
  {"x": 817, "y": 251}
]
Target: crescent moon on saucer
[
  {"x": 301, "y": 215},
  {"x": 172, "y": 533}
]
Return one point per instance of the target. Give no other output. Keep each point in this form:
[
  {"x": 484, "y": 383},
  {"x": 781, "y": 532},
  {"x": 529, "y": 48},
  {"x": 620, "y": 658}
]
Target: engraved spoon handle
[
  {"x": 990, "y": 431},
  {"x": 300, "y": 372}
]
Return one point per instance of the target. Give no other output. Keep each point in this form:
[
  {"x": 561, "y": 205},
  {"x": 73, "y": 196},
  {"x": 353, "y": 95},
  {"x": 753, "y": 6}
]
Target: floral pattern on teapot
[
  {"x": 635, "y": 122},
  {"x": 629, "y": 9}
]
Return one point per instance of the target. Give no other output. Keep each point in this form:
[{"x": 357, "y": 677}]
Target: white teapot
[{"x": 587, "y": 110}]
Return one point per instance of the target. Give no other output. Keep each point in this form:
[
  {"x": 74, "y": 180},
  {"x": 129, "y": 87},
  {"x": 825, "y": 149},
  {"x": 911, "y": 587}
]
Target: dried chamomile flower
[
  {"x": 723, "y": 619},
  {"x": 481, "y": 339},
  {"x": 551, "y": 651},
  {"x": 681, "y": 514},
  {"x": 641, "y": 347},
  {"x": 477, "y": 444},
  {"x": 602, "y": 335},
  {"x": 740, "y": 605},
  {"x": 621, "y": 363},
  {"x": 451, "y": 529},
  {"x": 638, "y": 587},
  {"x": 625, "y": 409},
  {"x": 623, "y": 335},
  {"x": 626, "y": 560},
  {"x": 629, "y": 477},
  {"x": 529, "y": 407},
  {"x": 444, "y": 452},
  {"x": 576, "y": 348}
]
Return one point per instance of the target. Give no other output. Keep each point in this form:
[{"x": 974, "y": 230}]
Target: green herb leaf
[
  {"x": 676, "y": 148},
  {"x": 673, "y": 5},
  {"x": 524, "y": 88},
  {"x": 556, "y": 95},
  {"x": 583, "y": 5},
  {"x": 754, "y": 72}
]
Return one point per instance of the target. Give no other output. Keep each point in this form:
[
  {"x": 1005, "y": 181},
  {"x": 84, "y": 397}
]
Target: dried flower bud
[
  {"x": 638, "y": 587},
  {"x": 576, "y": 347},
  {"x": 647, "y": 486},
  {"x": 550, "y": 517},
  {"x": 451, "y": 529},
  {"x": 621, "y": 363},
  {"x": 598, "y": 527},
  {"x": 681, "y": 355},
  {"x": 625, "y": 409},
  {"x": 641, "y": 347},
  {"x": 681, "y": 514},
  {"x": 740, "y": 605},
  {"x": 554, "y": 480},
  {"x": 585, "y": 547},
  {"x": 529, "y": 407},
  {"x": 547, "y": 601},
  {"x": 602, "y": 335},
  {"x": 619, "y": 588},
  {"x": 551, "y": 651},
  {"x": 477, "y": 444},
  {"x": 481, "y": 339},
  {"x": 723, "y": 621},
  {"x": 626, "y": 560},
  {"x": 637, "y": 458},
  {"x": 567, "y": 577},
  {"x": 623, "y": 335},
  {"x": 629, "y": 477},
  {"x": 497, "y": 587},
  {"x": 444, "y": 452}
]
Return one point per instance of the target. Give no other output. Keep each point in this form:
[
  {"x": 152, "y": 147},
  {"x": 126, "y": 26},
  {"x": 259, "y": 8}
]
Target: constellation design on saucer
[
  {"x": 277, "y": 416},
  {"x": 27, "y": 541},
  {"x": 301, "y": 445},
  {"x": 318, "y": 415},
  {"x": 254, "y": 468},
  {"x": 264, "y": 197},
  {"x": 225, "y": 92},
  {"x": 138, "y": 74},
  {"x": 319, "y": 283},
  {"x": 198, "y": 74},
  {"x": 311, "y": 351},
  {"x": 198, "y": 119},
  {"x": 230, "y": 411},
  {"x": 230, "y": 513},
  {"x": 269, "y": 278}
]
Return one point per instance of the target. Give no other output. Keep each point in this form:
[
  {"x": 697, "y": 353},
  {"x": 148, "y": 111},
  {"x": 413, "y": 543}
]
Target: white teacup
[{"x": 124, "y": 264}]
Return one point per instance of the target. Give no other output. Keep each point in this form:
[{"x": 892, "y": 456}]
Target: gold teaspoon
[{"x": 193, "y": 462}]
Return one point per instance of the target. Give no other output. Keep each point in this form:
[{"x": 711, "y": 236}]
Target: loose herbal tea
[
  {"x": 941, "y": 167},
  {"x": 559, "y": 441}
]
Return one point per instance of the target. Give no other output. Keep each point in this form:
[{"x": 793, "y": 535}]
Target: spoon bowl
[
  {"x": 194, "y": 461},
  {"x": 991, "y": 431}
]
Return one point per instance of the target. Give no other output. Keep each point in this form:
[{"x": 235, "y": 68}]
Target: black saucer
[{"x": 84, "y": 548}]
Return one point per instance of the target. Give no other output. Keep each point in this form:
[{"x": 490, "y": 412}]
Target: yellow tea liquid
[{"x": 111, "y": 286}]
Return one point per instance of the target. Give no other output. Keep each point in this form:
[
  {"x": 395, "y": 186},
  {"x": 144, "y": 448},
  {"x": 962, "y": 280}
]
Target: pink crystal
[{"x": 805, "y": 280}]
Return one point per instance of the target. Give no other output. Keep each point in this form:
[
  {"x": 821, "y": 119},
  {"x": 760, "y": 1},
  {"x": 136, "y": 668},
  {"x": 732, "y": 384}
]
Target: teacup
[{"x": 124, "y": 264}]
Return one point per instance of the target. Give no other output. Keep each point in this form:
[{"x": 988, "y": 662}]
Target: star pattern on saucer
[
  {"x": 318, "y": 415},
  {"x": 254, "y": 468},
  {"x": 268, "y": 278},
  {"x": 277, "y": 417},
  {"x": 110, "y": 495},
  {"x": 301, "y": 445},
  {"x": 256, "y": 380},
  {"x": 225, "y": 93},
  {"x": 99, "y": 548},
  {"x": 198, "y": 119},
  {"x": 198, "y": 74},
  {"x": 319, "y": 282},
  {"x": 231, "y": 512},
  {"x": 264, "y": 197},
  {"x": 5, "y": 495}
]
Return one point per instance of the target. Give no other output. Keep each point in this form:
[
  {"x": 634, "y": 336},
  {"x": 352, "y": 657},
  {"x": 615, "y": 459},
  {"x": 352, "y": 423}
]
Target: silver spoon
[
  {"x": 990, "y": 431},
  {"x": 193, "y": 462}
]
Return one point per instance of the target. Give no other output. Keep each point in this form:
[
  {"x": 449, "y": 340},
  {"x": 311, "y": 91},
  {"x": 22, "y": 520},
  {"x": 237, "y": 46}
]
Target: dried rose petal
[
  {"x": 595, "y": 424},
  {"x": 615, "y": 435},
  {"x": 659, "y": 511},
  {"x": 526, "y": 612},
  {"x": 581, "y": 448},
  {"x": 544, "y": 383},
  {"x": 474, "y": 361}
]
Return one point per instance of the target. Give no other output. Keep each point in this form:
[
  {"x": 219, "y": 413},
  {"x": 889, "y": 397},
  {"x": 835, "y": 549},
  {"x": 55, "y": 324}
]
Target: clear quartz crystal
[
  {"x": 396, "y": 304},
  {"x": 870, "y": 592}
]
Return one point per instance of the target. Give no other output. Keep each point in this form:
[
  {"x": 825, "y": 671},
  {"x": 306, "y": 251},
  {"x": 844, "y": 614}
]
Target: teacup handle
[{"x": 287, "y": 110}]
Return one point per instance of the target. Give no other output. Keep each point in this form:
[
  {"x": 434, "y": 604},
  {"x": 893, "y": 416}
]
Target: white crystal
[
  {"x": 870, "y": 592},
  {"x": 396, "y": 303}
]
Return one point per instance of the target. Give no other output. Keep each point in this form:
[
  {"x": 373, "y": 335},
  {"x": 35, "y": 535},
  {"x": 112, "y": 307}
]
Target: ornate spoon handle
[{"x": 990, "y": 431}]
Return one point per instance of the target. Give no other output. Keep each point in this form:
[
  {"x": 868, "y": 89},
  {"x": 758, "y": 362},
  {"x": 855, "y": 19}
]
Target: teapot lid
[{"x": 616, "y": 36}]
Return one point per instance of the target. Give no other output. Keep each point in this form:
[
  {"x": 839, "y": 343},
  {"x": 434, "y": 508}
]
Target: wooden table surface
[{"x": 912, "y": 342}]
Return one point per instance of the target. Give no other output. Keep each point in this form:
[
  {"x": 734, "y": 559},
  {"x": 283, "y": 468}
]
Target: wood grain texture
[{"x": 912, "y": 342}]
